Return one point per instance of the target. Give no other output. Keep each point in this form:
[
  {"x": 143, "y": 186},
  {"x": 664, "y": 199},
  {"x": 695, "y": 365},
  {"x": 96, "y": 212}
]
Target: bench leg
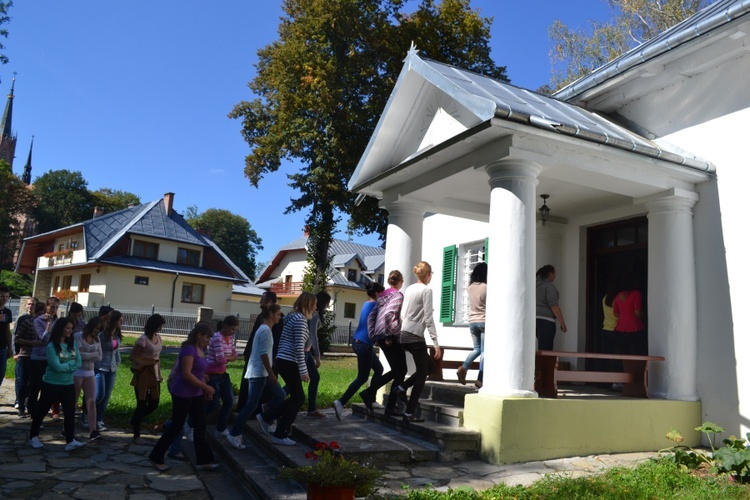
[
  {"x": 639, "y": 387},
  {"x": 544, "y": 376}
]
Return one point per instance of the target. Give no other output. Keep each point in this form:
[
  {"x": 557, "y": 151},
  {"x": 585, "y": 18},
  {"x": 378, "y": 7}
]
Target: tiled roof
[
  {"x": 155, "y": 222},
  {"x": 100, "y": 231}
]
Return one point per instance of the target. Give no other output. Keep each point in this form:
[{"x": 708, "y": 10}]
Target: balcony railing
[
  {"x": 288, "y": 288},
  {"x": 77, "y": 257}
]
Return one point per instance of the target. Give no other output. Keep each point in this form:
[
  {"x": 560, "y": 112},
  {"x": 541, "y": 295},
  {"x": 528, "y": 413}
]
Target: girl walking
[
  {"x": 144, "y": 363},
  {"x": 106, "y": 369},
  {"x": 90, "y": 348}
]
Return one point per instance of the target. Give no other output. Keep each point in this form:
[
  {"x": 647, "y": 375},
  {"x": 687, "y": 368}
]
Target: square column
[
  {"x": 511, "y": 294},
  {"x": 672, "y": 296}
]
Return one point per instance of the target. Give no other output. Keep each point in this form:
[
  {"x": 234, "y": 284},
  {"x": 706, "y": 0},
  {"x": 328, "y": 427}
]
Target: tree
[
  {"x": 322, "y": 86},
  {"x": 4, "y": 19},
  {"x": 15, "y": 203},
  {"x": 62, "y": 199},
  {"x": 577, "y": 52},
  {"x": 112, "y": 200},
  {"x": 232, "y": 233}
]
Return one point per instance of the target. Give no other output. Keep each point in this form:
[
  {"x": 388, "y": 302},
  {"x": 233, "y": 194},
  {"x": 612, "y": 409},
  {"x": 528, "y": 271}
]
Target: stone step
[{"x": 442, "y": 413}]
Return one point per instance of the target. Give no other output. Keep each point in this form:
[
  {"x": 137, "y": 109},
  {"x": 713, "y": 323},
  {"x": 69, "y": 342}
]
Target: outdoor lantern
[{"x": 544, "y": 209}]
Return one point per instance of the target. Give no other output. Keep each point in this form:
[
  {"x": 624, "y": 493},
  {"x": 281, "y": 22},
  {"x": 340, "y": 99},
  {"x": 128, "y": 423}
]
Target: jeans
[
  {"x": 545, "y": 334},
  {"x": 366, "y": 361},
  {"x": 477, "y": 337},
  {"x": 3, "y": 362},
  {"x": 51, "y": 393},
  {"x": 105, "y": 383},
  {"x": 181, "y": 408},
  {"x": 23, "y": 366},
  {"x": 312, "y": 387},
  {"x": 255, "y": 388},
  {"x": 37, "y": 367},
  {"x": 421, "y": 357},
  {"x": 396, "y": 357},
  {"x": 222, "y": 384}
]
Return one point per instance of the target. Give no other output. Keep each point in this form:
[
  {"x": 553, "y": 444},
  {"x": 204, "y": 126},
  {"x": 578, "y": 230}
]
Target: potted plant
[{"x": 333, "y": 476}]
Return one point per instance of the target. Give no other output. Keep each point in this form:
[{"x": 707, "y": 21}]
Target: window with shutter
[{"x": 448, "y": 285}]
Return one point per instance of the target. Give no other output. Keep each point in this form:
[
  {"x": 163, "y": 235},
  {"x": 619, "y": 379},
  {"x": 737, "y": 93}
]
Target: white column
[
  {"x": 672, "y": 300},
  {"x": 403, "y": 246},
  {"x": 511, "y": 293}
]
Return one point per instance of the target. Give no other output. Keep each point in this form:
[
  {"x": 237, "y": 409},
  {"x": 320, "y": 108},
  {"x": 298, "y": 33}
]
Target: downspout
[{"x": 174, "y": 287}]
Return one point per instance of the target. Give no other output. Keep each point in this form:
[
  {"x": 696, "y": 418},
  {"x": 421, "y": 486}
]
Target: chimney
[
  {"x": 306, "y": 231},
  {"x": 98, "y": 212},
  {"x": 168, "y": 202}
]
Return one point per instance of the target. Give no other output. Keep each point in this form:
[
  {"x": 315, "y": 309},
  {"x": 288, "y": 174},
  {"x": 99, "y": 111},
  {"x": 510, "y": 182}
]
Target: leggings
[
  {"x": 143, "y": 409},
  {"x": 89, "y": 397}
]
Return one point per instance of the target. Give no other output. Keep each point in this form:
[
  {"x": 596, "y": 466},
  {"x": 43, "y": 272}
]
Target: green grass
[{"x": 335, "y": 375}]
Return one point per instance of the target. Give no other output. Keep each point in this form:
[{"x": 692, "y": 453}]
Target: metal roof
[
  {"x": 170, "y": 267},
  {"x": 703, "y": 22}
]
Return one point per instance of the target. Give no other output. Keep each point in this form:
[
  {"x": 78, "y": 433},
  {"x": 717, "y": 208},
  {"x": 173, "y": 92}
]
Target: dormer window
[
  {"x": 145, "y": 249},
  {"x": 351, "y": 274},
  {"x": 188, "y": 257}
]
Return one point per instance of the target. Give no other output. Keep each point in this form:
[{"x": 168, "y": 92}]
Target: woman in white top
[{"x": 416, "y": 317}]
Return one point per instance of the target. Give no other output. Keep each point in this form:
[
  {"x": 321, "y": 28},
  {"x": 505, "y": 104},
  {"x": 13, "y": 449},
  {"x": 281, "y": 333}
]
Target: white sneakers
[
  {"x": 236, "y": 441},
  {"x": 73, "y": 445},
  {"x": 190, "y": 434},
  {"x": 220, "y": 434},
  {"x": 100, "y": 427},
  {"x": 263, "y": 423},
  {"x": 283, "y": 441},
  {"x": 35, "y": 443},
  {"x": 338, "y": 408}
]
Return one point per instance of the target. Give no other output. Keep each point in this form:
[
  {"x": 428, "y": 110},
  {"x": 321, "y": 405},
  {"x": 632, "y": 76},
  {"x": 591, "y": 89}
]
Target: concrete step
[{"x": 442, "y": 413}]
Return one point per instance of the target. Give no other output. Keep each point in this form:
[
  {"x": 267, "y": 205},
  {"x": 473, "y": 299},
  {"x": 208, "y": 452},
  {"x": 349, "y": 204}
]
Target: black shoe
[
  {"x": 368, "y": 400},
  {"x": 393, "y": 412},
  {"x": 412, "y": 418},
  {"x": 402, "y": 396}
]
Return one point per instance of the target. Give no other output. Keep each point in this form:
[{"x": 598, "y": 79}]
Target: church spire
[
  {"x": 27, "y": 169},
  {"x": 7, "y": 139}
]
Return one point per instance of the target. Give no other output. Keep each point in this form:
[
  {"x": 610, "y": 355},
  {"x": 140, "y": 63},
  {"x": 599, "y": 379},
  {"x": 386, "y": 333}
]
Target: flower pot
[{"x": 318, "y": 492}]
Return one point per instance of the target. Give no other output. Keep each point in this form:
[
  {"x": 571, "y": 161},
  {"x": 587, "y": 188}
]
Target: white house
[
  {"x": 139, "y": 256},
  {"x": 353, "y": 266},
  {"x": 644, "y": 166}
]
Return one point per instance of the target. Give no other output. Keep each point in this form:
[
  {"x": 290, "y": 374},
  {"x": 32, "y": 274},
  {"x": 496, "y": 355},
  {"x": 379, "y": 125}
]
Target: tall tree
[
  {"x": 322, "y": 86},
  {"x": 232, "y": 233},
  {"x": 4, "y": 19},
  {"x": 15, "y": 203},
  {"x": 576, "y": 52},
  {"x": 112, "y": 200},
  {"x": 62, "y": 199}
]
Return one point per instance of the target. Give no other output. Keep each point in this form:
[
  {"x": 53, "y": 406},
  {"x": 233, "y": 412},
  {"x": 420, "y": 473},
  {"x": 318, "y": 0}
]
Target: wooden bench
[
  {"x": 442, "y": 363},
  {"x": 633, "y": 377}
]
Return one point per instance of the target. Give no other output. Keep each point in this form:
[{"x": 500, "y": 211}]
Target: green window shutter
[
  {"x": 448, "y": 285},
  {"x": 486, "y": 250}
]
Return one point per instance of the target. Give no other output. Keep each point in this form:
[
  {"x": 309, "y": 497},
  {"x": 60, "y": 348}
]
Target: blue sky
[{"x": 135, "y": 94}]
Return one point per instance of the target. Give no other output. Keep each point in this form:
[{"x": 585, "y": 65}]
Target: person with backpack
[{"x": 363, "y": 347}]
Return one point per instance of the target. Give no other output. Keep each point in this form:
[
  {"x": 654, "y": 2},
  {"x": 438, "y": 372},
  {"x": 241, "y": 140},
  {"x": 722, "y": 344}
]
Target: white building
[{"x": 644, "y": 166}]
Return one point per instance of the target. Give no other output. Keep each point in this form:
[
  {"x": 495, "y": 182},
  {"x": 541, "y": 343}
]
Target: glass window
[
  {"x": 351, "y": 274},
  {"x": 84, "y": 283},
  {"x": 66, "y": 282},
  {"x": 469, "y": 255},
  {"x": 56, "y": 284},
  {"x": 145, "y": 249},
  {"x": 350, "y": 310},
  {"x": 188, "y": 257},
  {"x": 192, "y": 293}
]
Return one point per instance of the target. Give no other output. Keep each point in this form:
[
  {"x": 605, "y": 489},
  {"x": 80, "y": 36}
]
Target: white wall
[{"x": 722, "y": 269}]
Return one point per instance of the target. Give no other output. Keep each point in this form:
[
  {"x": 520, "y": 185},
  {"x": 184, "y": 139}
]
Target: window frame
[
  {"x": 192, "y": 290},
  {"x": 145, "y": 244},
  {"x": 350, "y": 310},
  {"x": 84, "y": 285},
  {"x": 67, "y": 282},
  {"x": 186, "y": 260},
  {"x": 351, "y": 272},
  {"x": 458, "y": 263}
]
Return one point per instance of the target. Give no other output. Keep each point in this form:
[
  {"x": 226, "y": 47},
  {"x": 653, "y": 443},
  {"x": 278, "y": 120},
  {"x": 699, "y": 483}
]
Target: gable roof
[
  {"x": 342, "y": 252},
  {"x": 479, "y": 102},
  {"x": 700, "y": 25},
  {"x": 149, "y": 219}
]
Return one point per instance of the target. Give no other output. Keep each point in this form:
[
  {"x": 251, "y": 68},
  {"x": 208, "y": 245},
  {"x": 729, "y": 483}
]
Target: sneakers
[
  {"x": 22, "y": 414},
  {"x": 338, "y": 408},
  {"x": 315, "y": 414},
  {"x": 158, "y": 466},
  {"x": 283, "y": 441},
  {"x": 35, "y": 443},
  {"x": 15, "y": 405},
  {"x": 94, "y": 436},
  {"x": 271, "y": 428},
  {"x": 263, "y": 423},
  {"x": 236, "y": 441},
  {"x": 100, "y": 427},
  {"x": 221, "y": 434},
  {"x": 412, "y": 418},
  {"x": 213, "y": 466},
  {"x": 461, "y": 374},
  {"x": 367, "y": 399},
  {"x": 190, "y": 435},
  {"x": 73, "y": 445}
]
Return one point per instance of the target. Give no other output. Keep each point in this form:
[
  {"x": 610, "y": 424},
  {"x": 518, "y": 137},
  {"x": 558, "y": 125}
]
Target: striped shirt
[
  {"x": 293, "y": 340},
  {"x": 219, "y": 349}
]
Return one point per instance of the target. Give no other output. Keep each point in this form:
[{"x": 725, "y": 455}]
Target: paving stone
[
  {"x": 35, "y": 466},
  {"x": 147, "y": 496},
  {"x": 436, "y": 471},
  {"x": 98, "y": 492},
  {"x": 167, "y": 482},
  {"x": 87, "y": 474},
  {"x": 14, "y": 485}
]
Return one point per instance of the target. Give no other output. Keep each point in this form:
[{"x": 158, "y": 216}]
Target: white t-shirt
[{"x": 262, "y": 344}]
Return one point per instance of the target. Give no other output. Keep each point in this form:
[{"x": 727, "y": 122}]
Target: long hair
[
  {"x": 305, "y": 303},
  {"x": 92, "y": 328},
  {"x": 479, "y": 274},
  {"x": 153, "y": 324},
  {"x": 269, "y": 310},
  {"x": 56, "y": 335},
  {"x": 202, "y": 328},
  {"x": 111, "y": 330}
]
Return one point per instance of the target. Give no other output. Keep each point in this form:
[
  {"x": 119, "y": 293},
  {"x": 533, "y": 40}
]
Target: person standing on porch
[
  {"x": 630, "y": 332},
  {"x": 416, "y": 317},
  {"x": 477, "y": 291},
  {"x": 547, "y": 308}
]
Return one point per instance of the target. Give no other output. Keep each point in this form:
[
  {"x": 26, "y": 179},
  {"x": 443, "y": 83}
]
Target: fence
[{"x": 179, "y": 322}]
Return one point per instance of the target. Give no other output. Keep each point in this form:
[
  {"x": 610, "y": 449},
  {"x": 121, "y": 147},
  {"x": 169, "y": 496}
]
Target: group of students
[{"x": 57, "y": 358}]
